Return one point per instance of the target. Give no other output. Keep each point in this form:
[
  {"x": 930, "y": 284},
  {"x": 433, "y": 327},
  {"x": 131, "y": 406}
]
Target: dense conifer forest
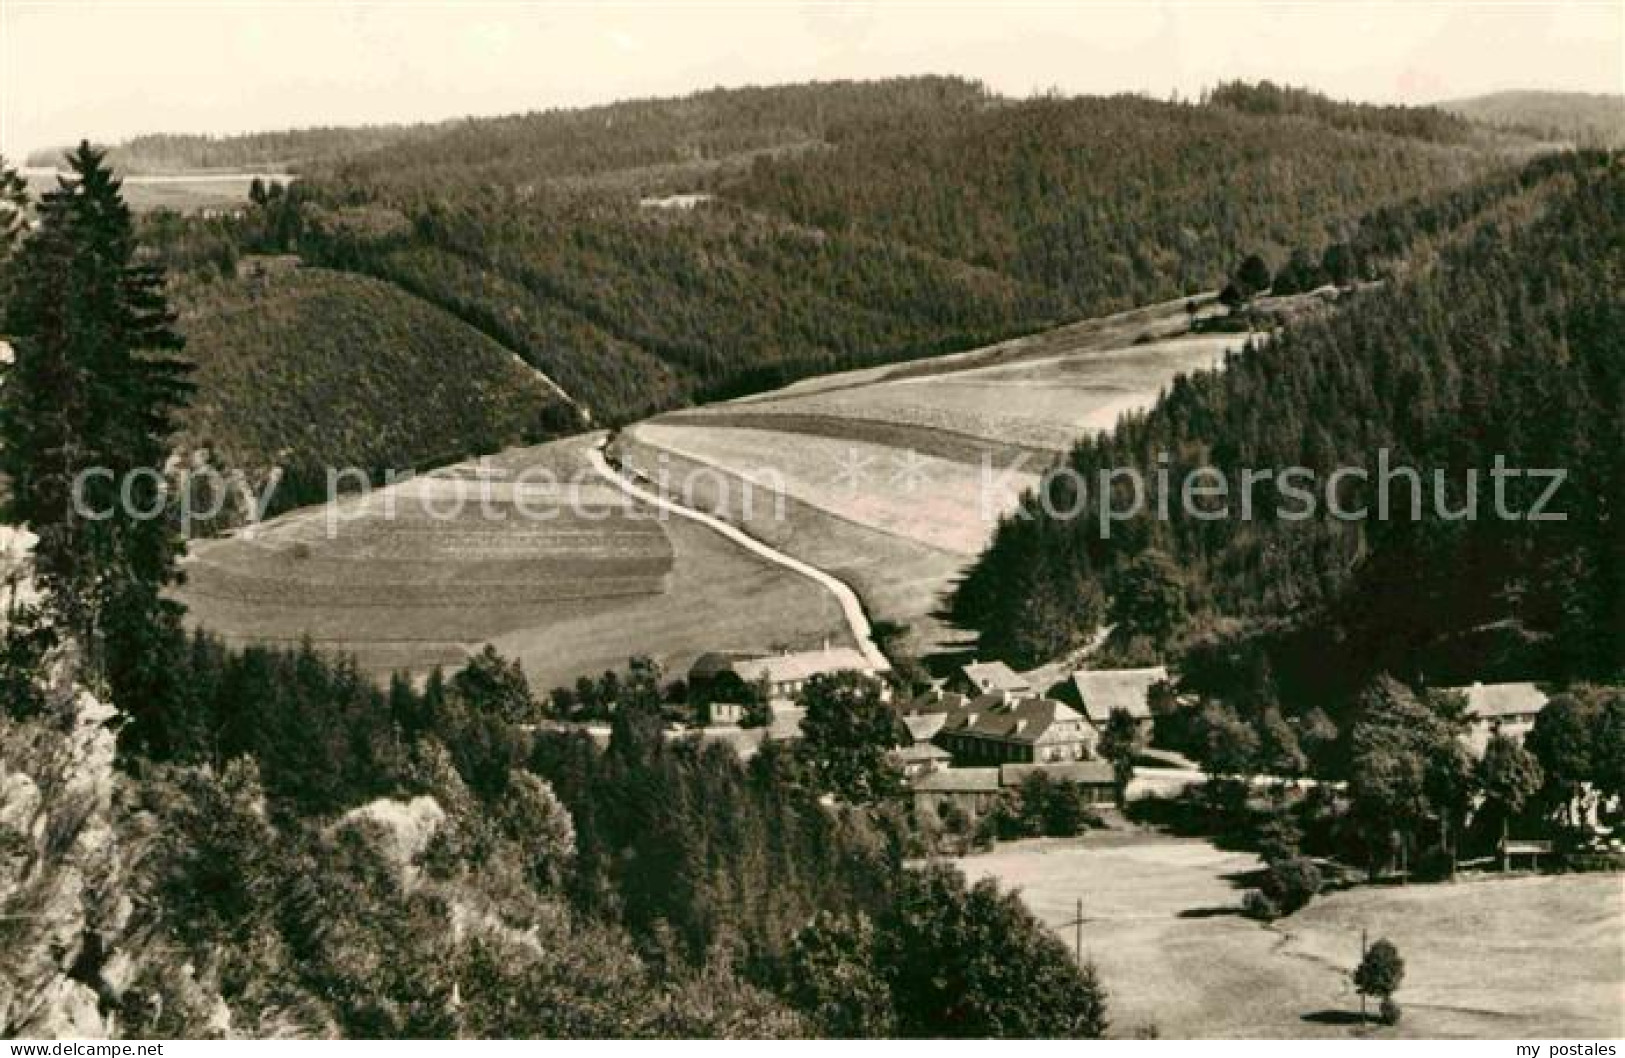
[
  {"x": 1504, "y": 343},
  {"x": 652, "y": 253}
]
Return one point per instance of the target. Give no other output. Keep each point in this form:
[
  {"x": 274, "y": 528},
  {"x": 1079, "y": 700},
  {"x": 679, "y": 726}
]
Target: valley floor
[{"x": 1487, "y": 958}]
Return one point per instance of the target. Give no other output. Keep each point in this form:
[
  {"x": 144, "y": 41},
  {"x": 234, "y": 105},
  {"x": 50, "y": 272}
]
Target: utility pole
[
  {"x": 1077, "y": 933},
  {"x": 1364, "y": 936}
]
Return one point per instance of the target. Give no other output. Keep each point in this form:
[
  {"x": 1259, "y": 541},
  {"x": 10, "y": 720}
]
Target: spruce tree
[
  {"x": 13, "y": 209},
  {"x": 94, "y": 387}
]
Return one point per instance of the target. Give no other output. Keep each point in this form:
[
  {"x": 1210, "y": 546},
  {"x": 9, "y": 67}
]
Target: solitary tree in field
[
  {"x": 1379, "y": 975},
  {"x": 94, "y": 387}
]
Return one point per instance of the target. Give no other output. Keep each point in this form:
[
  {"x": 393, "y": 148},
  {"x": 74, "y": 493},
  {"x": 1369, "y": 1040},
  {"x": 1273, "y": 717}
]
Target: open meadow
[
  {"x": 184, "y": 192},
  {"x": 527, "y": 551},
  {"x": 1040, "y": 404},
  {"x": 894, "y": 478},
  {"x": 1490, "y": 957}
]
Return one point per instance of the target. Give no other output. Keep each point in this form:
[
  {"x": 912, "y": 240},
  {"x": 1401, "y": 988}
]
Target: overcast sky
[{"x": 111, "y": 69}]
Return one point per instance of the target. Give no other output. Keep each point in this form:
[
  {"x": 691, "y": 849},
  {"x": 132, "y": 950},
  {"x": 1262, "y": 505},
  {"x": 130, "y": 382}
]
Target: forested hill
[
  {"x": 1508, "y": 348},
  {"x": 305, "y": 369},
  {"x": 657, "y": 252}
]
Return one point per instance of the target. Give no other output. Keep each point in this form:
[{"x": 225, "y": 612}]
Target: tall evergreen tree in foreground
[{"x": 86, "y": 411}]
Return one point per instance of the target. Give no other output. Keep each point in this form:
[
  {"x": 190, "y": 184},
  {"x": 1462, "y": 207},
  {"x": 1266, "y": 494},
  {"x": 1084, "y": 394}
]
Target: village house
[
  {"x": 982, "y": 677},
  {"x": 785, "y": 675},
  {"x": 1005, "y": 728},
  {"x": 925, "y": 716},
  {"x": 973, "y": 791},
  {"x": 919, "y": 759},
  {"x": 727, "y": 712},
  {"x": 1094, "y": 777},
  {"x": 780, "y": 676},
  {"x": 1507, "y": 708},
  {"x": 1100, "y": 692}
]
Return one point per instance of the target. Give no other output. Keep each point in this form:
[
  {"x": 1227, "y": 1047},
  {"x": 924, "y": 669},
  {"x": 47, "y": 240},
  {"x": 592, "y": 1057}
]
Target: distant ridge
[{"x": 1587, "y": 119}]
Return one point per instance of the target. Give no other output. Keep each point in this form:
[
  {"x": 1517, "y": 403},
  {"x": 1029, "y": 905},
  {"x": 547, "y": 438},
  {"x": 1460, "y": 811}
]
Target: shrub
[
  {"x": 1292, "y": 883},
  {"x": 1435, "y": 864},
  {"x": 1257, "y": 905}
]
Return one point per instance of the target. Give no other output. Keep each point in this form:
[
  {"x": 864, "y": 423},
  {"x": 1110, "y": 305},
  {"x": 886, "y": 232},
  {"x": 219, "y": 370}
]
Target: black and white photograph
[{"x": 812, "y": 520}]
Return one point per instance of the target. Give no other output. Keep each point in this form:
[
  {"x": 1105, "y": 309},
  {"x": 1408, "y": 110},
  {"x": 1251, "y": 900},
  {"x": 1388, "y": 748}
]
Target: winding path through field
[{"x": 856, "y": 619}]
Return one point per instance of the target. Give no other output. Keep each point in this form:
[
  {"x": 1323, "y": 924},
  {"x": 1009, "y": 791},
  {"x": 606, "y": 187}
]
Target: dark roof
[
  {"x": 934, "y": 701},
  {"x": 1102, "y": 690},
  {"x": 1087, "y": 772},
  {"x": 1008, "y": 718},
  {"x": 713, "y": 664}
]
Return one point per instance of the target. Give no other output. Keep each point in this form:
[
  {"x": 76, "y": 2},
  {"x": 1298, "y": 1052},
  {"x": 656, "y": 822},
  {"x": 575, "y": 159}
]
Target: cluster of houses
[{"x": 987, "y": 728}]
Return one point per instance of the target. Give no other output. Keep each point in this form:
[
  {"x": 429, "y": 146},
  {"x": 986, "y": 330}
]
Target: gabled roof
[
  {"x": 1008, "y": 718},
  {"x": 779, "y": 668},
  {"x": 1087, "y": 772},
  {"x": 1490, "y": 701},
  {"x": 994, "y": 676},
  {"x": 923, "y": 727},
  {"x": 1102, "y": 690}
]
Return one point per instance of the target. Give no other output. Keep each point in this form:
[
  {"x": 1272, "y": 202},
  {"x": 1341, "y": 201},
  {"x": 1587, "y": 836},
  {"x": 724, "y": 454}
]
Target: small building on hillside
[
  {"x": 1508, "y": 708},
  {"x": 1101, "y": 691},
  {"x": 784, "y": 675},
  {"x": 971, "y": 791},
  {"x": 1005, "y": 728},
  {"x": 919, "y": 759},
  {"x": 1094, "y": 777},
  {"x": 980, "y": 677},
  {"x": 726, "y": 712}
]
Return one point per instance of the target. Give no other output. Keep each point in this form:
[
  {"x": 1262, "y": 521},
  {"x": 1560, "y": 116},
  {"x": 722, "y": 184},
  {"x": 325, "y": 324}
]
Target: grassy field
[
  {"x": 186, "y": 192},
  {"x": 1496, "y": 958},
  {"x": 942, "y": 504},
  {"x": 576, "y": 589},
  {"x": 1037, "y": 404},
  {"x": 898, "y": 580},
  {"x": 883, "y": 469}
]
